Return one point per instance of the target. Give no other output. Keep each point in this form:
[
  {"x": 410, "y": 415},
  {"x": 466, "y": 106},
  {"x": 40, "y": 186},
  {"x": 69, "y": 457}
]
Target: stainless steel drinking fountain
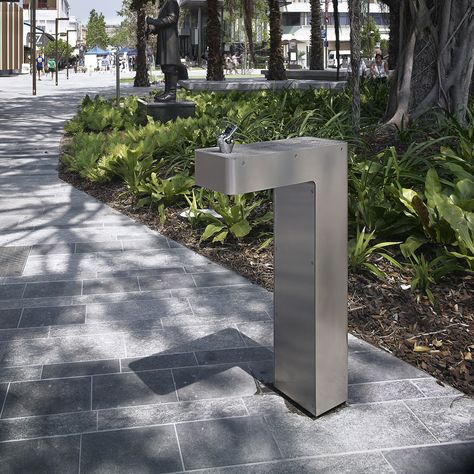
[{"x": 309, "y": 176}]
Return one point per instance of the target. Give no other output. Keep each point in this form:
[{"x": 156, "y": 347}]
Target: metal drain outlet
[{"x": 13, "y": 260}]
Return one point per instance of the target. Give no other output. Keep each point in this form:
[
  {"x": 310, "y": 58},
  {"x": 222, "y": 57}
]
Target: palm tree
[
  {"x": 354, "y": 15},
  {"x": 276, "y": 69},
  {"x": 316, "y": 59},
  {"x": 141, "y": 76},
  {"x": 215, "y": 65},
  {"x": 335, "y": 4},
  {"x": 249, "y": 10}
]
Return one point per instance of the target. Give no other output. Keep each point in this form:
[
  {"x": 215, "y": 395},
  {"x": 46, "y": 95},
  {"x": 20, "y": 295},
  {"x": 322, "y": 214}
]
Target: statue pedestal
[{"x": 167, "y": 111}]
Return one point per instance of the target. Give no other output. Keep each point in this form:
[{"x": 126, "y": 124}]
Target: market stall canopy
[{"x": 98, "y": 51}]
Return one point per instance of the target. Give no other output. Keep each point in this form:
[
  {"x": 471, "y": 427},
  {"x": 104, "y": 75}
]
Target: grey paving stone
[
  {"x": 61, "y": 264},
  {"x": 208, "y": 267},
  {"x": 9, "y": 318},
  {"x": 170, "y": 413},
  {"x": 131, "y": 389},
  {"x": 208, "y": 319},
  {"x": 136, "y": 310},
  {"x": 378, "y": 366},
  {"x": 37, "y": 302},
  {"x": 358, "y": 345},
  {"x": 234, "y": 355},
  {"x": 228, "y": 300},
  {"x": 452, "y": 458},
  {"x": 262, "y": 370},
  {"x": 23, "y": 333},
  {"x": 110, "y": 285},
  {"x": 182, "y": 339},
  {"x": 10, "y": 292},
  {"x": 435, "y": 388},
  {"x": 448, "y": 418},
  {"x": 138, "y": 451},
  {"x": 18, "y": 374},
  {"x": 153, "y": 242},
  {"x": 93, "y": 247},
  {"x": 148, "y": 272},
  {"x": 226, "y": 442},
  {"x": 59, "y": 350},
  {"x": 219, "y": 279},
  {"x": 111, "y": 328},
  {"x": 3, "y": 392},
  {"x": 344, "y": 464},
  {"x": 382, "y": 391},
  {"x": 348, "y": 429},
  {"x": 166, "y": 281},
  {"x": 51, "y": 277},
  {"x": 55, "y": 288},
  {"x": 233, "y": 293},
  {"x": 258, "y": 333},
  {"x": 51, "y": 316},
  {"x": 217, "y": 381},
  {"x": 52, "y": 249},
  {"x": 164, "y": 361},
  {"x": 47, "y": 397},
  {"x": 48, "y": 425},
  {"x": 75, "y": 369},
  {"x": 122, "y": 297},
  {"x": 41, "y": 456}
]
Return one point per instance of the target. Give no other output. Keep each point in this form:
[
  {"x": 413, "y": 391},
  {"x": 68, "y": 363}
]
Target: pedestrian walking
[
  {"x": 52, "y": 67},
  {"x": 39, "y": 65}
]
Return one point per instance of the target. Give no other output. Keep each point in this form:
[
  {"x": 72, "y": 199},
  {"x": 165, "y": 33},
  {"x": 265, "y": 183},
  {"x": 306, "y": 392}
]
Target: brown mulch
[{"x": 437, "y": 338}]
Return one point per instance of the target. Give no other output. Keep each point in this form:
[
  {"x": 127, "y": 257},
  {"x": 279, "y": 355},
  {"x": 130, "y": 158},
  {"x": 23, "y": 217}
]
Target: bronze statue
[{"x": 167, "y": 56}]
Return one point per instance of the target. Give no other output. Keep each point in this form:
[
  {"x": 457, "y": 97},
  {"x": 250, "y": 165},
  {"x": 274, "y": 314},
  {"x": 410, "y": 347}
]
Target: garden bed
[{"x": 437, "y": 337}]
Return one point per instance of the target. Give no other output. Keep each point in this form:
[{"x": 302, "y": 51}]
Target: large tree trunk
[
  {"x": 393, "y": 42},
  {"x": 215, "y": 66},
  {"x": 316, "y": 59},
  {"x": 276, "y": 68},
  {"x": 249, "y": 9},
  {"x": 335, "y": 6},
  {"x": 141, "y": 76},
  {"x": 354, "y": 15},
  {"x": 436, "y": 59}
]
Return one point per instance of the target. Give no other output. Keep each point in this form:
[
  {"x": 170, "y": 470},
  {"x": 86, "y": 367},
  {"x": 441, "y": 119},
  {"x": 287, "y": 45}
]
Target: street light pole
[
  {"x": 67, "y": 60},
  {"x": 33, "y": 42},
  {"x": 56, "y": 21}
]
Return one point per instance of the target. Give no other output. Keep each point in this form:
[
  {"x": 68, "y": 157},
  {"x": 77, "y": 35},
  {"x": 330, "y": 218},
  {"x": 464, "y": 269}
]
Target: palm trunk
[
  {"x": 141, "y": 76},
  {"x": 215, "y": 65},
  {"x": 316, "y": 60},
  {"x": 354, "y": 15},
  {"x": 276, "y": 68},
  {"x": 248, "y": 15},
  {"x": 335, "y": 4}
]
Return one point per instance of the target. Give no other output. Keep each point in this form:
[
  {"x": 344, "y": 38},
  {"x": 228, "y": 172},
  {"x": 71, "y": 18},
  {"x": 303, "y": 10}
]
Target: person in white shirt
[
  {"x": 379, "y": 69},
  {"x": 362, "y": 69}
]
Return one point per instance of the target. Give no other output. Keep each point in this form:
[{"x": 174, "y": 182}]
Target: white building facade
[
  {"x": 46, "y": 13},
  {"x": 296, "y": 27}
]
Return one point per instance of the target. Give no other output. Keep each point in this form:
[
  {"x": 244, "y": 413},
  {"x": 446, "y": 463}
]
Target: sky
[{"x": 81, "y": 8}]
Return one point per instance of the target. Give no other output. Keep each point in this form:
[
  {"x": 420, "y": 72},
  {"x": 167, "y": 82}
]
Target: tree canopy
[
  {"x": 96, "y": 33},
  {"x": 64, "y": 50}
]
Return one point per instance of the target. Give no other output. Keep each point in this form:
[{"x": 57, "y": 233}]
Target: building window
[
  {"x": 290, "y": 19},
  {"x": 305, "y": 19}
]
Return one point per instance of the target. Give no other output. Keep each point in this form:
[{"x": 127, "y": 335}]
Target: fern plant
[{"x": 235, "y": 212}]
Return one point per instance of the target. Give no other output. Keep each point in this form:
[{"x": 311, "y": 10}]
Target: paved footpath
[{"x": 122, "y": 351}]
